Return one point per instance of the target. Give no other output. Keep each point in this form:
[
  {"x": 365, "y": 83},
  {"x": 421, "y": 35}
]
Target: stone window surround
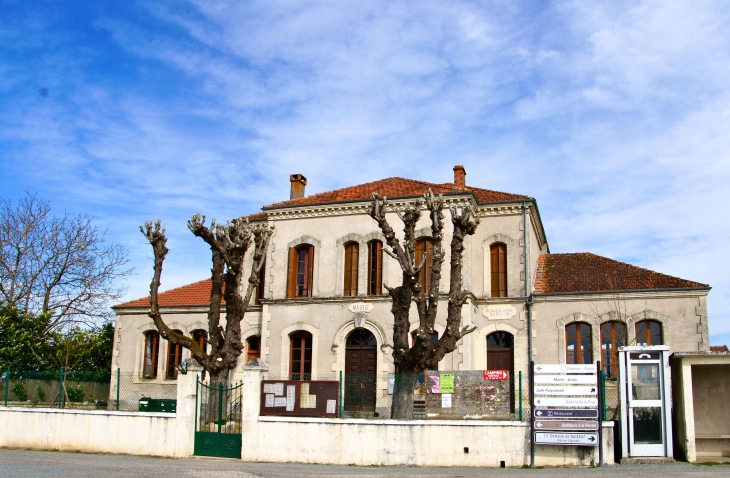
[
  {"x": 162, "y": 351},
  {"x": 362, "y": 263},
  {"x": 479, "y": 345},
  {"x": 286, "y": 346},
  {"x": 596, "y": 322},
  {"x": 486, "y": 246},
  {"x": 315, "y": 266}
]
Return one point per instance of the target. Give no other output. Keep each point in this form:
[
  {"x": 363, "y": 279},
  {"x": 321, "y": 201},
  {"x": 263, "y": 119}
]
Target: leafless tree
[
  {"x": 60, "y": 266},
  {"x": 411, "y": 360},
  {"x": 228, "y": 244}
]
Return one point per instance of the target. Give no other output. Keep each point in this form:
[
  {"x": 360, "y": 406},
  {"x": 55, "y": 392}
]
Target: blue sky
[{"x": 613, "y": 115}]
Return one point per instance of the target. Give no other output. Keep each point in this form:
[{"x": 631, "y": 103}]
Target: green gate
[{"x": 218, "y": 420}]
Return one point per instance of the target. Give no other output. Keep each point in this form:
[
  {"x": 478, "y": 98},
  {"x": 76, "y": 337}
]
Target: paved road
[{"x": 17, "y": 463}]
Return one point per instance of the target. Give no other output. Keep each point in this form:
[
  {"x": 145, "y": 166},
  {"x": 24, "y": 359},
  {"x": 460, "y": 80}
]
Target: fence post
[
  {"x": 7, "y": 385},
  {"x": 60, "y": 388},
  {"x": 220, "y": 406},
  {"x": 520, "y": 395},
  {"x": 118, "y": 381},
  {"x": 604, "y": 410},
  {"x": 340, "y": 414}
]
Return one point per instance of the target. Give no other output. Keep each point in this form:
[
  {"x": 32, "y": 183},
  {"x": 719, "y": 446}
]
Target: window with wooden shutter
[
  {"x": 253, "y": 346},
  {"x": 578, "y": 343},
  {"x": 498, "y": 256},
  {"x": 375, "y": 268},
  {"x": 301, "y": 268},
  {"x": 151, "y": 350},
  {"x": 613, "y": 336},
  {"x": 201, "y": 338},
  {"x": 352, "y": 256},
  {"x": 424, "y": 247}
]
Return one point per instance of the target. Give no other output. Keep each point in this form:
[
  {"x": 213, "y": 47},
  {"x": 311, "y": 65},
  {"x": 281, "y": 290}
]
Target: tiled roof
[
  {"x": 393, "y": 188},
  {"x": 719, "y": 348},
  {"x": 586, "y": 272},
  {"x": 256, "y": 217},
  {"x": 197, "y": 293}
]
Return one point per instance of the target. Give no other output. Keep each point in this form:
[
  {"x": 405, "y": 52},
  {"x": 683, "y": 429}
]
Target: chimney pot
[
  {"x": 460, "y": 176},
  {"x": 297, "y": 186}
]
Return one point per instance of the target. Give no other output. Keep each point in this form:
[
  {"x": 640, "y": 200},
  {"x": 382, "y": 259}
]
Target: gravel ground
[{"x": 19, "y": 463}]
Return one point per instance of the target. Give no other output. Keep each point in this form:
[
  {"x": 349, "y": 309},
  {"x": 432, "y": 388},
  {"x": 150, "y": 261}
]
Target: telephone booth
[{"x": 646, "y": 412}]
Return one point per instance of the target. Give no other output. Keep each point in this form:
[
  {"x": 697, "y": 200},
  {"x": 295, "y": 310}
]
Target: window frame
[
  {"x": 375, "y": 267},
  {"x": 647, "y": 332},
  {"x": 150, "y": 351},
  {"x": 351, "y": 269},
  {"x": 579, "y": 336},
  {"x": 302, "y": 374},
  {"x": 174, "y": 358},
  {"x": 299, "y": 282},
  {"x": 609, "y": 357},
  {"x": 257, "y": 351},
  {"x": 200, "y": 334},
  {"x": 498, "y": 269}
]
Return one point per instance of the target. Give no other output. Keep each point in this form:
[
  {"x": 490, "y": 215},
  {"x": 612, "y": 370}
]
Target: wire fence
[
  {"x": 433, "y": 395},
  {"x": 120, "y": 391}
]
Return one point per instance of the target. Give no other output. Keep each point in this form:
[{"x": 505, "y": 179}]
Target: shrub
[
  {"x": 41, "y": 394},
  {"x": 19, "y": 391},
  {"x": 75, "y": 394}
]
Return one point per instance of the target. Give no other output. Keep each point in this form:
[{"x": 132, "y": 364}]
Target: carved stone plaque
[
  {"x": 499, "y": 312},
  {"x": 361, "y": 307}
]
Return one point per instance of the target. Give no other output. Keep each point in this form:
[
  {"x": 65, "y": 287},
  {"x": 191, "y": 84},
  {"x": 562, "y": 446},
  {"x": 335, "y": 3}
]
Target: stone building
[{"x": 322, "y": 307}]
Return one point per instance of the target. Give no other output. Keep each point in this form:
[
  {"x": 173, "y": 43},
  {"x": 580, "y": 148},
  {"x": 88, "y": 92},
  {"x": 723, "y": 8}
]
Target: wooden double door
[
  {"x": 501, "y": 356},
  {"x": 360, "y": 371}
]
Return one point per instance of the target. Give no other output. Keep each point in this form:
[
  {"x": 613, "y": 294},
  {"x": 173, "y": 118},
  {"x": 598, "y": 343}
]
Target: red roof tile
[
  {"x": 586, "y": 272},
  {"x": 197, "y": 293},
  {"x": 394, "y": 188},
  {"x": 719, "y": 348}
]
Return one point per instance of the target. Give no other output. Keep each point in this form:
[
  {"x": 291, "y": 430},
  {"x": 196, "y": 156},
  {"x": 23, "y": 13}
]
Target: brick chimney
[
  {"x": 297, "y": 186},
  {"x": 460, "y": 176}
]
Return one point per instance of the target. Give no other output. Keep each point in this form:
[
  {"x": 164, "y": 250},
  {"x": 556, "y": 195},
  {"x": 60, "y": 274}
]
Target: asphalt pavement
[{"x": 20, "y": 463}]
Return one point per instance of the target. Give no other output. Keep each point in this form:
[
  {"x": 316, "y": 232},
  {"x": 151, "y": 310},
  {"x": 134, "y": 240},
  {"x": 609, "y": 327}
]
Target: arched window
[
  {"x": 500, "y": 356},
  {"x": 578, "y": 346},
  {"x": 201, "y": 338},
  {"x": 174, "y": 357},
  {"x": 151, "y": 351},
  {"x": 253, "y": 347},
  {"x": 649, "y": 332},
  {"x": 352, "y": 256},
  {"x": 375, "y": 268},
  {"x": 498, "y": 258},
  {"x": 424, "y": 246},
  {"x": 300, "y": 362},
  {"x": 613, "y": 336},
  {"x": 301, "y": 268}
]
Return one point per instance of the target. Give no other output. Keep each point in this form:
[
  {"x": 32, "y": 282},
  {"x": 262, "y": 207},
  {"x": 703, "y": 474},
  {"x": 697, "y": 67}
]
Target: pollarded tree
[
  {"x": 412, "y": 360},
  {"x": 228, "y": 245}
]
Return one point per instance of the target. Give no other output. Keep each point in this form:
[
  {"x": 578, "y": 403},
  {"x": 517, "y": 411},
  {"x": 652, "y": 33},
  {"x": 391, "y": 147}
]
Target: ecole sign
[{"x": 496, "y": 375}]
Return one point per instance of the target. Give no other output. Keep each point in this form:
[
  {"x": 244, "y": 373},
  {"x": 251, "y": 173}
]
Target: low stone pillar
[
  {"x": 251, "y": 404},
  {"x": 186, "y": 403}
]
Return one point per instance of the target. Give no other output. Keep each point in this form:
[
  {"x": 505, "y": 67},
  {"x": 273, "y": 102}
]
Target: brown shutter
[
  {"x": 355, "y": 267},
  {"x": 310, "y": 263},
  {"x": 292, "y": 273}
]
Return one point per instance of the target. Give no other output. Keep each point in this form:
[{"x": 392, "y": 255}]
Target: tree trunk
[{"x": 403, "y": 396}]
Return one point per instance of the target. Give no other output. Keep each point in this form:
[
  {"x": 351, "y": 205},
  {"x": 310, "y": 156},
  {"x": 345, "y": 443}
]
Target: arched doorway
[
  {"x": 500, "y": 356},
  {"x": 360, "y": 371}
]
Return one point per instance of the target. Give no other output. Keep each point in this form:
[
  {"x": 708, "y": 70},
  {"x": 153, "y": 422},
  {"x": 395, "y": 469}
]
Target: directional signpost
[{"x": 566, "y": 398}]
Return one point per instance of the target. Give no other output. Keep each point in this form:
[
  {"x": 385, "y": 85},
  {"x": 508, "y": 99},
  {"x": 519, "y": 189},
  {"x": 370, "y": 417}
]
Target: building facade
[{"x": 322, "y": 307}]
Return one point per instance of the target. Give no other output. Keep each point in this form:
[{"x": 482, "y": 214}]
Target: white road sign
[
  {"x": 565, "y": 390},
  {"x": 565, "y": 379},
  {"x": 565, "y": 368},
  {"x": 566, "y": 425},
  {"x": 558, "y": 438},
  {"x": 584, "y": 402}
]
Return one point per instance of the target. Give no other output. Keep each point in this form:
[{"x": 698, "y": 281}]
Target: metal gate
[{"x": 218, "y": 420}]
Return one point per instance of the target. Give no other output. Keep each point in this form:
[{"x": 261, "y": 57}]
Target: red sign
[{"x": 496, "y": 375}]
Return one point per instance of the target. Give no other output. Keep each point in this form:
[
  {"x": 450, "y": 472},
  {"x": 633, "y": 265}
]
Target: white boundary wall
[
  {"x": 155, "y": 434},
  {"x": 391, "y": 442}
]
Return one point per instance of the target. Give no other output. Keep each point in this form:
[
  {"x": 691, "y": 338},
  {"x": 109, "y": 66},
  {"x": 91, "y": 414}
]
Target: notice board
[{"x": 317, "y": 398}]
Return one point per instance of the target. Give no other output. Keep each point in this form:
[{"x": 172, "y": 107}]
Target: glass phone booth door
[{"x": 645, "y": 394}]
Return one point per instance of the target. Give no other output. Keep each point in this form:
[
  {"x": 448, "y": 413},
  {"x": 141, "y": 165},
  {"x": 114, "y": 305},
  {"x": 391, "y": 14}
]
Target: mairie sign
[
  {"x": 559, "y": 438},
  {"x": 565, "y": 390},
  {"x": 565, "y": 368},
  {"x": 565, "y": 379},
  {"x": 566, "y": 402}
]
